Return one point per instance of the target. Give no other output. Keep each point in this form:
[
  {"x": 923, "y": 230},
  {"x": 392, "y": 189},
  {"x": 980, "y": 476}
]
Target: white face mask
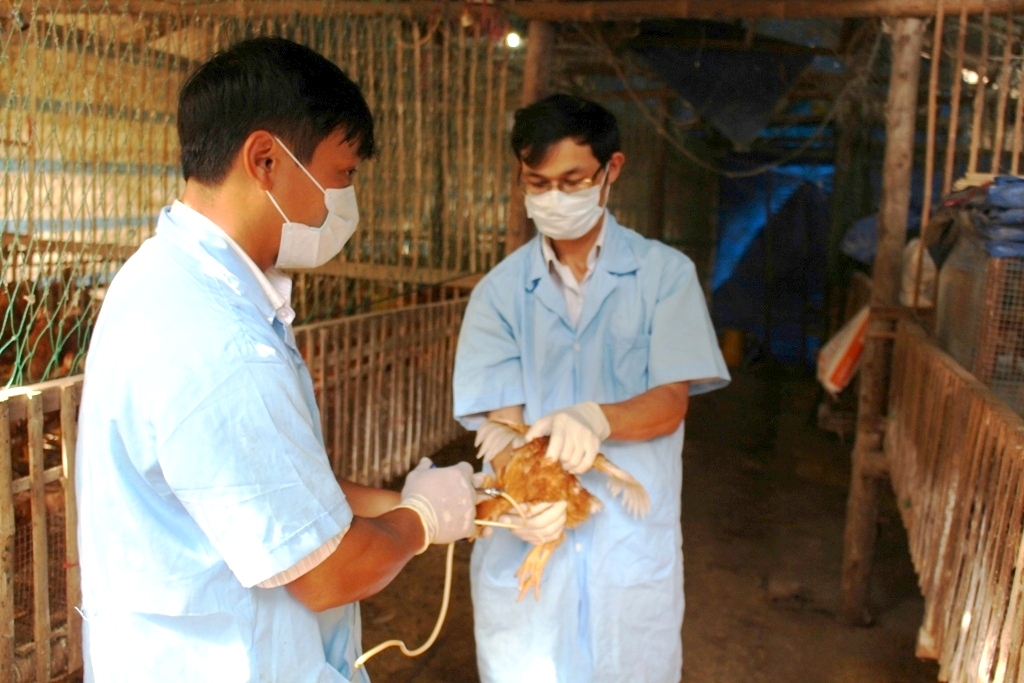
[
  {"x": 303, "y": 246},
  {"x": 562, "y": 216}
]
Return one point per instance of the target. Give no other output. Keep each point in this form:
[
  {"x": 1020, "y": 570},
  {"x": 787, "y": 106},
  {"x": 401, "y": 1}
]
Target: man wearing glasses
[{"x": 597, "y": 337}]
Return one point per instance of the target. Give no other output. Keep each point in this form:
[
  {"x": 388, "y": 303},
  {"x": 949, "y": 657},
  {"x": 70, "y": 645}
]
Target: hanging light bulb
[
  {"x": 512, "y": 39},
  {"x": 970, "y": 77}
]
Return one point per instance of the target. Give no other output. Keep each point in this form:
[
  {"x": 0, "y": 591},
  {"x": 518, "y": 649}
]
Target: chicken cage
[
  {"x": 38, "y": 550},
  {"x": 980, "y": 317}
]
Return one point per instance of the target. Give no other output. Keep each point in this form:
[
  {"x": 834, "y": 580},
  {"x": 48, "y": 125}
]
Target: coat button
[{"x": 576, "y": 347}]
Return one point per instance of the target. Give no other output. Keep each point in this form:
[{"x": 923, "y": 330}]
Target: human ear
[
  {"x": 615, "y": 163},
  {"x": 259, "y": 157}
]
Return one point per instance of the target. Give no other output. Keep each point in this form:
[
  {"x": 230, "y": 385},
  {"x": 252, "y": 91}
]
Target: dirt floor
[{"x": 764, "y": 499}]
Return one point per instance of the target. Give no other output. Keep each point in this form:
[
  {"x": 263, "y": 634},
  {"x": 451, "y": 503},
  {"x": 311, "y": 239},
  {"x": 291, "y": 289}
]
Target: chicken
[{"x": 530, "y": 477}]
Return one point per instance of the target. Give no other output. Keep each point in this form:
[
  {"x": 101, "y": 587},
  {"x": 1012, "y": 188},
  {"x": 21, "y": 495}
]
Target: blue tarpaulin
[{"x": 774, "y": 289}]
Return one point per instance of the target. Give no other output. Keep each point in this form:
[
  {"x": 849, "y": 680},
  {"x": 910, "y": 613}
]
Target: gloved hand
[
  {"x": 544, "y": 521},
  {"x": 492, "y": 438},
  {"x": 576, "y": 435},
  {"x": 444, "y": 499}
]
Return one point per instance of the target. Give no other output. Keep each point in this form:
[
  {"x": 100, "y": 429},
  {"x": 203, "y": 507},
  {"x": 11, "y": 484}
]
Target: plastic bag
[{"x": 839, "y": 359}]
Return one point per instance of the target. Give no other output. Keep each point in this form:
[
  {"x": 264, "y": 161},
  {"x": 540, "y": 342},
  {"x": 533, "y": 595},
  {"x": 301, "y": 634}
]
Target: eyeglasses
[{"x": 538, "y": 186}]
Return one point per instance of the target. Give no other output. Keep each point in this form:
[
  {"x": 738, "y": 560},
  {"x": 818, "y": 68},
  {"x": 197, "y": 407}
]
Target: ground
[{"x": 764, "y": 499}]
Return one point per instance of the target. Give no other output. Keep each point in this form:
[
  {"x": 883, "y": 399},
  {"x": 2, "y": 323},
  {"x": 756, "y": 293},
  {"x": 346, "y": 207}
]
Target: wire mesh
[
  {"x": 980, "y": 318},
  {"x": 90, "y": 153}
]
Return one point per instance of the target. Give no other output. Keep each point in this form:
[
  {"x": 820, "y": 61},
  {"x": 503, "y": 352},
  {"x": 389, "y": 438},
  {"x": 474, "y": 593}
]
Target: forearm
[
  {"x": 654, "y": 413},
  {"x": 370, "y": 555},
  {"x": 367, "y": 501}
]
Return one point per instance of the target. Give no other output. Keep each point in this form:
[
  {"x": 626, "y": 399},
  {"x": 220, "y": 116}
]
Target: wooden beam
[
  {"x": 611, "y": 10},
  {"x": 370, "y": 271},
  {"x": 739, "y": 45},
  {"x": 865, "y": 485},
  {"x": 249, "y": 8},
  {"x": 546, "y": 10}
]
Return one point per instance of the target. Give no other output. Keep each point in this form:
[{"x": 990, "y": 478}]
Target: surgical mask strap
[
  {"x": 278, "y": 207},
  {"x": 604, "y": 182},
  {"x": 300, "y": 165}
]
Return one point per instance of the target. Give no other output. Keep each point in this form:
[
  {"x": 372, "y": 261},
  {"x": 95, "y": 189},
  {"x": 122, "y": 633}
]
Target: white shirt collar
[
  {"x": 552, "y": 259},
  {"x": 275, "y": 284}
]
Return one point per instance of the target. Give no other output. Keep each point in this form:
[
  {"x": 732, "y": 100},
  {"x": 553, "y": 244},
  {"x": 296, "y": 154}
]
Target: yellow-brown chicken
[{"x": 529, "y": 477}]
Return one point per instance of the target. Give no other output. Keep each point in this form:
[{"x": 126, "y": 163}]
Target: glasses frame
[{"x": 572, "y": 188}]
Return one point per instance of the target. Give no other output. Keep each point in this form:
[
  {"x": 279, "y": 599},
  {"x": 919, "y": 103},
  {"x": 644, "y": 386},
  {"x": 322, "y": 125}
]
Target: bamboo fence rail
[
  {"x": 956, "y": 460},
  {"x": 383, "y": 385}
]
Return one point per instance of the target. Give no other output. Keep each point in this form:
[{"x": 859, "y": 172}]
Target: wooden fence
[
  {"x": 383, "y": 384},
  {"x": 956, "y": 458}
]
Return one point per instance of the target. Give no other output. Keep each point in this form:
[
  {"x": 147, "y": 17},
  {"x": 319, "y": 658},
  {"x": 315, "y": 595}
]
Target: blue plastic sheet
[
  {"x": 998, "y": 218},
  {"x": 1006, "y": 192}
]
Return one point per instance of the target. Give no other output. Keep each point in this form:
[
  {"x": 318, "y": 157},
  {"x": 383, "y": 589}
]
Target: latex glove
[
  {"x": 492, "y": 438},
  {"x": 544, "y": 521},
  {"x": 576, "y": 434},
  {"x": 444, "y": 499}
]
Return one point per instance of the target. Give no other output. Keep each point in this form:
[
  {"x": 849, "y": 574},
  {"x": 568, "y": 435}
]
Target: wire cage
[
  {"x": 980, "y": 318},
  {"x": 88, "y": 143}
]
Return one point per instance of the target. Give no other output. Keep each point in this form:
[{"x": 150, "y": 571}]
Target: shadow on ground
[{"x": 764, "y": 499}]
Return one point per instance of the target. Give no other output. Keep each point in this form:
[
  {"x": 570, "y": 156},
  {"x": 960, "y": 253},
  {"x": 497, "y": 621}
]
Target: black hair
[
  {"x": 267, "y": 84},
  {"x": 556, "y": 117}
]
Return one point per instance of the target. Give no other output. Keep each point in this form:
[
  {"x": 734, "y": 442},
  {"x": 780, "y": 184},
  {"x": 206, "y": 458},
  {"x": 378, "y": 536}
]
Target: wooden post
[
  {"x": 540, "y": 43},
  {"x": 862, "y": 504}
]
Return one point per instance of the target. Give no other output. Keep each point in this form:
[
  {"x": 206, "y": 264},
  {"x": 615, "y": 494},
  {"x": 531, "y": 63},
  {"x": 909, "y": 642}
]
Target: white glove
[
  {"x": 544, "y": 521},
  {"x": 492, "y": 438},
  {"x": 576, "y": 435},
  {"x": 444, "y": 499}
]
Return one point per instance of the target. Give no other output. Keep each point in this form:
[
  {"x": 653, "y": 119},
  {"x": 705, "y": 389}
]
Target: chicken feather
[{"x": 530, "y": 477}]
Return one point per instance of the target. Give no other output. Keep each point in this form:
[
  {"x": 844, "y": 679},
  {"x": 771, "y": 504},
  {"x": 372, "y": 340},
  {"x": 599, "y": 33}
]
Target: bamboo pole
[
  {"x": 540, "y": 47},
  {"x": 929, "y": 148},
  {"x": 485, "y": 221},
  {"x": 418, "y": 95},
  {"x": 445, "y": 170},
  {"x": 1018, "y": 119},
  {"x": 954, "y": 105},
  {"x": 70, "y": 396},
  {"x": 499, "y": 135},
  {"x": 359, "y": 403},
  {"x": 1004, "y": 92},
  {"x": 472, "y": 195},
  {"x": 462, "y": 161},
  {"x": 40, "y": 551},
  {"x": 978, "y": 107},
  {"x": 6, "y": 542},
  {"x": 338, "y": 393},
  {"x": 862, "y": 504}
]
